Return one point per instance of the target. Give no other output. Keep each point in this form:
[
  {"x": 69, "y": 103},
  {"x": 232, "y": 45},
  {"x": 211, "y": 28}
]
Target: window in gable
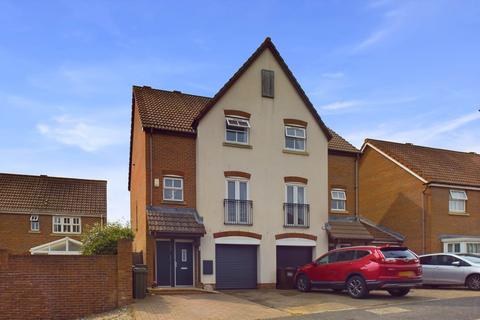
[
  {"x": 237, "y": 130},
  {"x": 295, "y": 138}
]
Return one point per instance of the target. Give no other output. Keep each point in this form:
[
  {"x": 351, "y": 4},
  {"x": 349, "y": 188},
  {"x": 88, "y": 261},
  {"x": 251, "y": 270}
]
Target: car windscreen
[
  {"x": 471, "y": 258},
  {"x": 397, "y": 253}
]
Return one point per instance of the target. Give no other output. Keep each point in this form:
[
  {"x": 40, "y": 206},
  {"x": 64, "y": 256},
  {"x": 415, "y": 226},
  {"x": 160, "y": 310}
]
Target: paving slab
[{"x": 202, "y": 307}]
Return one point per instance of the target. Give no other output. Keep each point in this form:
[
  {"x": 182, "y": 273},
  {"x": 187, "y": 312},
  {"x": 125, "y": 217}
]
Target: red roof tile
[
  {"x": 434, "y": 165},
  {"x": 52, "y": 195}
]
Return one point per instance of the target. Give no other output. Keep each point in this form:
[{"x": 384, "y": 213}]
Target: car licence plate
[{"x": 406, "y": 274}]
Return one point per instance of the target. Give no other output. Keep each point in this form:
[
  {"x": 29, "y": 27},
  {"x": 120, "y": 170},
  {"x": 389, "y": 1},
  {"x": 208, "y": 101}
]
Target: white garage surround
[
  {"x": 237, "y": 240},
  {"x": 297, "y": 242}
]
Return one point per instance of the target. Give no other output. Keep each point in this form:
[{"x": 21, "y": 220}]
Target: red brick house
[
  {"x": 48, "y": 214},
  {"x": 345, "y": 226},
  {"x": 429, "y": 195}
]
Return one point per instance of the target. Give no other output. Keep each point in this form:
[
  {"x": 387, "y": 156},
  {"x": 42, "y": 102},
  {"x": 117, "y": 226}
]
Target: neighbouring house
[
  {"x": 226, "y": 189},
  {"x": 345, "y": 226},
  {"x": 47, "y": 215},
  {"x": 429, "y": 195}
]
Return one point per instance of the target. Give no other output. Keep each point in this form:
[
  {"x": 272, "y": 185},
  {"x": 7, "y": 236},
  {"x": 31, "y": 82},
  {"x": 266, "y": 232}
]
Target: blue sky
[{"x": 407, "y": 71}]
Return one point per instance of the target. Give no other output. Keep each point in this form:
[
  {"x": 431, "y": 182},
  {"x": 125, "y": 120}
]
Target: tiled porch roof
[{"x": 168, "y": 220}]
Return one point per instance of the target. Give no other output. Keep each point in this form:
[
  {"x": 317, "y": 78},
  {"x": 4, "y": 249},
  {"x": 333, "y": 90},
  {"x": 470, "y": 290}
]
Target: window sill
[
  {"x": 464, "y": 214},
  {"x": 300, "y": 153},
  {"x": 179, "y": 203},
  {"x": 299, "y": 227},
  {"x": 339, "y": 211},
  {"x": 237, "y": 145},
  {"x": 61, "y": 234},
  {"x": 34, "y": 231}
]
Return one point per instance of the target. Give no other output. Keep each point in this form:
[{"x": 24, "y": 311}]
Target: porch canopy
[{"x": 173, "y": 222}]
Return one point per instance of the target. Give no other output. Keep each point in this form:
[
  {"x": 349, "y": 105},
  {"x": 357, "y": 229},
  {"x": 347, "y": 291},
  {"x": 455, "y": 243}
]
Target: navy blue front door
[
  {"x": 184, "y": 263},
  {"x": 164, "y": 263}
]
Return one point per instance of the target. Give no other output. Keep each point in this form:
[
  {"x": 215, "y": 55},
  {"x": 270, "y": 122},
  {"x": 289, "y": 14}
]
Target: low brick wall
[{"x": 64, "y": 287}]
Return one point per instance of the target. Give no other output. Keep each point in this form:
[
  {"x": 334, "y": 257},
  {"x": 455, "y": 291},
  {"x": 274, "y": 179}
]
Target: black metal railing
[
  {"x": 238, "y": 211},
  {"x": 296, "y": 215}
]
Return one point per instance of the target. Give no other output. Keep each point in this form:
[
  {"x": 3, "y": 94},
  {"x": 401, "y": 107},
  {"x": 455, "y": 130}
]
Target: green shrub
[{"x": 103, "y": 240}]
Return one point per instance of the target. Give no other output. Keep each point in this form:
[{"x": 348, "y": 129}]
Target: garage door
[
  {"x": 293, "y": 256},
  {"x": 236, "y": 266}
]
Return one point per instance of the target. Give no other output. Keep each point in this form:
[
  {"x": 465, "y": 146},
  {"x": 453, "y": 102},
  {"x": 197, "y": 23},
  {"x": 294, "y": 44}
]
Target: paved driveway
[
  {"x": 267, "y": 304},
  {"x": 202, "y": 307}
]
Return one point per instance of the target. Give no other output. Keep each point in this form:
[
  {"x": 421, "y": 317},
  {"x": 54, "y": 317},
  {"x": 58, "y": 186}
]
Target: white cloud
[
  {"x": 338, "y": 105},
  {"x": 449, "y": 134},
  {"x": 81, "y": 133},
  {"x": 372, "y": 39}
]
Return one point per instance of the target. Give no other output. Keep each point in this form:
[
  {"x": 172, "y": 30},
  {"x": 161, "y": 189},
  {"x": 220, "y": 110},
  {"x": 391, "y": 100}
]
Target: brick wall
[
  {"x": 440, "y": 221},
  {"x": 16, "y": 237},
  {"x": 341, "y": 174},
  {"x": 390, "y": 196},
  {"x": 64, "y": 287},
  {"x": 173, "y": 154}
]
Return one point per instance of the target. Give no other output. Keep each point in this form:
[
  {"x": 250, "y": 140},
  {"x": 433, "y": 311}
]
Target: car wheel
[
  {"x": 400, "y": 292},
  {"x": 303, "y": 283},
  {"x": 357, "y": 287},
  {"x": 473, "y": 282}
]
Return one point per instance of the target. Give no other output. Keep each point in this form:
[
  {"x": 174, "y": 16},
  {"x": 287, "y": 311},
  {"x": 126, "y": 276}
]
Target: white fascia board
[
  {"x": 394, "y": 161},
  {"x": 237, "y": 240},
  {"x": 296, "y": 242}
]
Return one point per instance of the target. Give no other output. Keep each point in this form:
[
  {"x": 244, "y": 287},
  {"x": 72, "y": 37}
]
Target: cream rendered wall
[{"x": 266, "y": 163}]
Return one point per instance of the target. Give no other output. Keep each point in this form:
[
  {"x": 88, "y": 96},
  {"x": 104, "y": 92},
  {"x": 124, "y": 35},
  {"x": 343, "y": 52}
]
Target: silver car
[{"x": 442, "y": 269}]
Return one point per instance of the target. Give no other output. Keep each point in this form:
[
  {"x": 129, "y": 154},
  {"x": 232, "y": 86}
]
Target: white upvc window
[
  {"x": 296, "y": 207},
  {"x": 237, "y": 204},
  {"x": 457, "y": 200},
  {"x": 295, "y": 138},
  {"x": 462, "y": 245},
  {"x": 66, "y": 224},
  {"x": 34, "y": 223},
  {"x": 173, "y": 188},
  {"x": 237, "y": 130},
  {"x": 339, "y": 200}
]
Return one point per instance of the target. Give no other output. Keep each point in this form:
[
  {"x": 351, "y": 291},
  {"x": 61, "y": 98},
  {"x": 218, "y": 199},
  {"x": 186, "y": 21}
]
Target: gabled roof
[
  {"x": 432, "y": 165},
  {"x": 27, "y": 194},
  {"x": 266, "y": 45},
  {"x": 337, "y": 143},
  {"x": 64, "y": 246}
]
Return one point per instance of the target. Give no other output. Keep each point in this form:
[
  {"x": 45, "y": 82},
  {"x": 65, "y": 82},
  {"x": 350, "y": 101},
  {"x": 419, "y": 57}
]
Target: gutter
[
  {"x": 150, "y": 156},
  {"x": 356, "y": 184}
]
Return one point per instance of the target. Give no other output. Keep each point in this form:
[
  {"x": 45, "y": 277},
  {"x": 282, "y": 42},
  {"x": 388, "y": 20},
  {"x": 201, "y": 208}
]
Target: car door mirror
[{"x": 456, "y": 263}]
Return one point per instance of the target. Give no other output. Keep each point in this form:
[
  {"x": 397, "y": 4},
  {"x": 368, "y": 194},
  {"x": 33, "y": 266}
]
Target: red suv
[{"x": 361, "y": 269}]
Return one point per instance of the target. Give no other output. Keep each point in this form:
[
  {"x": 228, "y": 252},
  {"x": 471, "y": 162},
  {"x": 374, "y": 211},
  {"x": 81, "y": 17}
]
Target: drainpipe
[
  {"x": 150, "y": 149},
  {"x": 356, "y": 185},
  {"x": 424, "y": 239}
]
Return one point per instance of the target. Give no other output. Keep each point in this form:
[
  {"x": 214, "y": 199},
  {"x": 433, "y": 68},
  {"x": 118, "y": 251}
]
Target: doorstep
[{"x": 177, "y": 290}]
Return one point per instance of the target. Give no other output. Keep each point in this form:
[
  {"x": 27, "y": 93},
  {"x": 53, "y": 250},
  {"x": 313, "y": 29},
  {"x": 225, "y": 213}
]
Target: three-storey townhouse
[{"x": 226, "y": 189}]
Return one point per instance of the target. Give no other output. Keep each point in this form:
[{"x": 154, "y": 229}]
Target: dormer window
[
  {"x": 268, "y": 83},
  {"x": 236, "y": 130}
]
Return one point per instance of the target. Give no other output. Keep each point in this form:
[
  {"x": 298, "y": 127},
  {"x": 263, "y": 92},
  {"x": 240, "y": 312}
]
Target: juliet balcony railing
[
  {"x": 238, "y": 211},
  {"x": 296, "y": 215}
]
